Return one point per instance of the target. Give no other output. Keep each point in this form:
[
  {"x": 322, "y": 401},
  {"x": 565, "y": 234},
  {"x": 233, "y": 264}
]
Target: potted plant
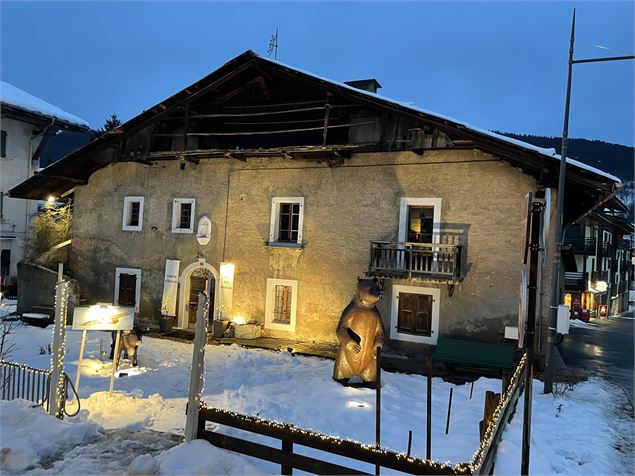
[{"x": 166, "y": 321}]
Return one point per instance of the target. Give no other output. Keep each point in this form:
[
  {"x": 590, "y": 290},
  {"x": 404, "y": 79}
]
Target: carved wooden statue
[{"x": 360, "y": 332}]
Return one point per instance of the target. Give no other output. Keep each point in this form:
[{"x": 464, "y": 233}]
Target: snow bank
[
  {"x": 16, "y": 97},
  {"x": 198, "y": 457},
  {"x": 28, "y": 435},
  {"x": 581, "y": 324},
  {"x": 8, "y": 307},
  {"x": 572, "y": 434}
]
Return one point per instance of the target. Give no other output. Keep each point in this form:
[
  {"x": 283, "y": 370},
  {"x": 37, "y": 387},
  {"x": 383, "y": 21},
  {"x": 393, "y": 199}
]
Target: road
[{"x": 605, "y": 350}]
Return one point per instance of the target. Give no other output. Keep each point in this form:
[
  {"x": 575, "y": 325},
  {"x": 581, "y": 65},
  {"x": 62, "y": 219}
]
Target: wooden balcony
[
  {"x": 575, "y": 282},
  {"x": 580, "y": 246},
  {"x": 433, "y": 261},
  {"x": 600, "y": 276}
]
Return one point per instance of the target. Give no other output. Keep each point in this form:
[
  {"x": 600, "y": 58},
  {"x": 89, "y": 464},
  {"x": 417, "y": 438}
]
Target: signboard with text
[{"x": 103, "y": 317}]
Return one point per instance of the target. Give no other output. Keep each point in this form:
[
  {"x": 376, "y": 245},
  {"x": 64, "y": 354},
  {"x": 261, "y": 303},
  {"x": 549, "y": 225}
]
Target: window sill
[
  {"x": 131, "y": 229},
  {"x": 182, "y": 230},
  {"x": 283, "y": 244}
]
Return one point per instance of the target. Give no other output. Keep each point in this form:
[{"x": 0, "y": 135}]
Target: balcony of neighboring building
[
  {"x": 580, "y": 246},
  {"x": 575, "y": 281},
  {"x": 599, "y": 276}
]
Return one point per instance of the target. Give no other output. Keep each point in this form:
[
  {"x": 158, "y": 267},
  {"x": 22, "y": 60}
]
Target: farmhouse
[{"x": 285, "y": 187}]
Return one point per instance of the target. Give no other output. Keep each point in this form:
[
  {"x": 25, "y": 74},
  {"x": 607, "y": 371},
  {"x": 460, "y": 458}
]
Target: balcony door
[{"x": 419, "y": 222}]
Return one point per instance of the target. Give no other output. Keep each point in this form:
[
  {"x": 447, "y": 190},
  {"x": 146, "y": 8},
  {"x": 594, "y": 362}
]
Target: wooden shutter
[
  {"x": 415, "y": 314},
  {"x": 127, "y": 290}
]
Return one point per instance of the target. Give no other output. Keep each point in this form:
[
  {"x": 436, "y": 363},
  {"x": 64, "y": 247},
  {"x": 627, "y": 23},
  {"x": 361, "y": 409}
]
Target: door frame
[
  {"x": 137, "y": 293},
  {"x": 184, "y": 291},
  {"x": 402, "y": 235},
  {"x": 394, "y": 314}
]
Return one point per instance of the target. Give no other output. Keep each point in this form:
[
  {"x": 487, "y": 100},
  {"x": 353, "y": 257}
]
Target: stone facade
[{"x": 345, "y": 208}]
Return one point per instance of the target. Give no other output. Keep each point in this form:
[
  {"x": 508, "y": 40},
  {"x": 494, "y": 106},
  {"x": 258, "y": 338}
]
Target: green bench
[{"x": 474, "y": 354}]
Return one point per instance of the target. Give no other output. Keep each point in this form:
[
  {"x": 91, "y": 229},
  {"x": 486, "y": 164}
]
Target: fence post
[
  {"x": 56, "y": 387},
  {"x": 378, "y": 404},
  {"x": 198, "y": 368},
  {"x": 429, "y": 410},
  {"x": 491, "y": 402},
  {"x": 287, "y": 448}
]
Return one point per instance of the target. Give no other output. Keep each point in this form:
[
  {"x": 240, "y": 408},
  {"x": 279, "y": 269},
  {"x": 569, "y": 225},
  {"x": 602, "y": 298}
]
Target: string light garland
[
  {"x": 488, "y": 438},
  {"x": 446, "y": 467}
]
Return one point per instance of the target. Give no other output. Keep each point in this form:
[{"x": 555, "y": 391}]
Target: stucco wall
[
  {"x": 15, "y": 168},
  {"x": 345, "y": 208}
]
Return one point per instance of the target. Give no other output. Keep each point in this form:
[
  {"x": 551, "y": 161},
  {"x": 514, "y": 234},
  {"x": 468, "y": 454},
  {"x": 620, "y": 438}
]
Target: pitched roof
[
  {"x": 78, "y": 166},
  {"x": 17, "y": 98}
]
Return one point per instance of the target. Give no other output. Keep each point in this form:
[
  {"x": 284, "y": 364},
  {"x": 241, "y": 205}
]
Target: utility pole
[
  {"x": 530, "y": 335},
  {"x": 558, "y": 234}
]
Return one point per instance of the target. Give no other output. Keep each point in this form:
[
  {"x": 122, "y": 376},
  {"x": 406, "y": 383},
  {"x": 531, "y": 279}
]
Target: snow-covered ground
[{"x": 137, "y": 429}]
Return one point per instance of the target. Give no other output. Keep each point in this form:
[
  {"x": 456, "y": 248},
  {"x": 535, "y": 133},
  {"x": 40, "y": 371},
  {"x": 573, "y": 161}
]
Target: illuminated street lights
[{"x": 558, "y": 234}]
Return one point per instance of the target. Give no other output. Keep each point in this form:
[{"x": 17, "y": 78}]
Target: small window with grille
[
  {"x": 281, "y": 304},
  {"x": 287, "y": 216},
  {"x": 183, "y": 215},
  {"x": 132, "y": 214}
]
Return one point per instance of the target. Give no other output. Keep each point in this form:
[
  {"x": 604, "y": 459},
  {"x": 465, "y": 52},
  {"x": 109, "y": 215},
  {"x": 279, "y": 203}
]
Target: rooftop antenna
[{"x": 273, "y": 45}]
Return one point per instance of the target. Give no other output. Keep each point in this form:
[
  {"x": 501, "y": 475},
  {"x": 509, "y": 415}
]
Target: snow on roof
[
  {"x": 546, "y": 152},
  {"x": 16, "y": 97}
]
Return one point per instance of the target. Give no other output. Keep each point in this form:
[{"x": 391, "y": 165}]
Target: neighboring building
[
  {"x": 286, "y": 187},
  {"x": 26, "y": 124},
  {"x": 597, "y": 256}
]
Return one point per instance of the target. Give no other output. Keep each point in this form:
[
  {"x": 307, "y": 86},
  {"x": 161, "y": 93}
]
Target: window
[
  {"x": 282, "y": 299},
  {"x": 287, "y": 216},
  {"x": 132, "y": 214},
  {"x": 183, "y": 215},
  {"x": 414, "y": 314},
  {"x": 128, "y": 287},
  {"x": 3, "y": 143}
]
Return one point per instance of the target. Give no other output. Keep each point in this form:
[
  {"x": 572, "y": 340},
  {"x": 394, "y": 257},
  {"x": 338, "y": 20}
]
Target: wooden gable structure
[{"x": 256, "y": 107}]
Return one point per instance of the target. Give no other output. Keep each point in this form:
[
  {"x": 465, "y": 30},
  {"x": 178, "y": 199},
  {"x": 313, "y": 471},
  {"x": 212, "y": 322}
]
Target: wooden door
[
  {"x": 198, "y": 284},
  {"x": 128, "y": 290},
  {"x": 415, "y": 314}
]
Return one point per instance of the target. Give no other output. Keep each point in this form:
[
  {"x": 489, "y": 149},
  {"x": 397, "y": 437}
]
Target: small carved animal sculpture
[
  {"x": 360, "y": 331},
  {"x": 129, "y": 343}
]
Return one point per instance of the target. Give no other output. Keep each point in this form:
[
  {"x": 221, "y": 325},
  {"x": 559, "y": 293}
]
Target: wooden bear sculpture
[{"x": 360, "y": 332}]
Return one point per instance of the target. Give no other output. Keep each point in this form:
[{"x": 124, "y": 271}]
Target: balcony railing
[
  {"x": 580, "y": 246},
  {"x": 605, "y": 248},
  {"x": 415, "y": 260},
  {"x": 600, "y": 276},
  {"x": 575, "y": 282}
]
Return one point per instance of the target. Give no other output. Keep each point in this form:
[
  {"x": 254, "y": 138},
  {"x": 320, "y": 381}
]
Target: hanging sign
[
  {"x": 526, "y": 225},
  {"x": 103, "y": 317},
  {"x": 170, "y": 287}
]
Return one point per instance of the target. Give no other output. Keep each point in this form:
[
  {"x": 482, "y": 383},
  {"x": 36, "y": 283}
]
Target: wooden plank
[
  {"x": 268, "y": 113},
  {"x": 331, "y": 444},
  {"x": 267, "y": 453},
  {"x": 281, "y": 131}
]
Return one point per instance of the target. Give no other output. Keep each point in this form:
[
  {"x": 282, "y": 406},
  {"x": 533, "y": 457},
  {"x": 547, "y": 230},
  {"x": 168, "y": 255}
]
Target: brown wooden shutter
[
  {"x": 127, "y": 290},
  {"x": 415, "y": 314}
]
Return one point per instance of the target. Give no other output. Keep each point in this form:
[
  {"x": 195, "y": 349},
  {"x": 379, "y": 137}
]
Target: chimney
[{"x": 370, "y": 85}]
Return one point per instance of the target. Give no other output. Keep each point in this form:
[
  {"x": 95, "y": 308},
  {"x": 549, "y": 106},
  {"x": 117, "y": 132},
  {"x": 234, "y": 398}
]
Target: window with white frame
[
  {"x": 128, "y": 287},
  {"x": 287, "y": 217},
  {"x": 183, "y": 215},
  {"x": 414, "y": 315},
  {"x": 281, "y": 302},
  {"x": 132, "y": 214}
]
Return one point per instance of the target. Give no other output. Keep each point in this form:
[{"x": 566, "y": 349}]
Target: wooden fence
[{"x": 290, "y": 437}]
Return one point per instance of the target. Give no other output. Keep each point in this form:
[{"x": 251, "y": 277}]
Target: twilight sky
[{"x": 496, "y": 65}]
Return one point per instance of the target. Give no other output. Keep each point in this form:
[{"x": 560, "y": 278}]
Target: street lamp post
[{"x": 558, "y": 234}]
